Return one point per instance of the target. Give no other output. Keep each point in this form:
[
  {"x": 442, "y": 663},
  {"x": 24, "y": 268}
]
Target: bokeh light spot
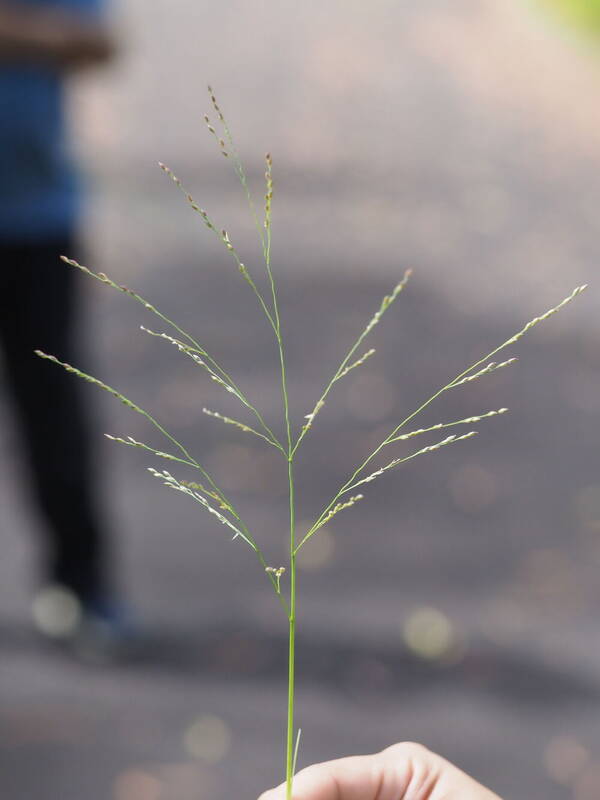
[
  {"x": 371, "y": 397},
  {"x": 56, "y": 612},
  {"x": 429, "y": 634},
  {"x": 208, "y": 738},
  {"x": 473, "y": 488},
  {"x": 587, "y": 784},
  {"x": 564, "y": 758},
  {"x": 135, "y": 784}
]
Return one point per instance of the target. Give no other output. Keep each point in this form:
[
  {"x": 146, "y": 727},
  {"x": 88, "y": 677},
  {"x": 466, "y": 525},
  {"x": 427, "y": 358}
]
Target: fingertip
[{"x": 278, "y": 793}]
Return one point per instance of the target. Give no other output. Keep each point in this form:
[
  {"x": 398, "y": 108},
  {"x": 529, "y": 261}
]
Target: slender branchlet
[
  {"x": 227, "y": 384},
  {"x": 269, "y": 192},
  {"x": 242, "y": 426},
  {"x": 491, "y": 367},
  {"x": 194, "y": 345},
  {"x": 466, "y": 421},
  {"x": 127, "y": 402},
  {"x": 263, "y": 235},
  {"x": 218, "y": 139},
  {"x": 356, "y": 363},
  {"x": 429, "y": 449},
  {"x": 330, "y": 514},
  {"x": 129, "y": 440}
]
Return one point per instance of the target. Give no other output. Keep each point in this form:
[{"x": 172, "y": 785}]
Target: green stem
[{"x": 292, "y": 637}]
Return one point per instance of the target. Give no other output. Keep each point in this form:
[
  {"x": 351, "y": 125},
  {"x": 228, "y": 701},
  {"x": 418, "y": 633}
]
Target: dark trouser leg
[{"x": 38, "y": 298}]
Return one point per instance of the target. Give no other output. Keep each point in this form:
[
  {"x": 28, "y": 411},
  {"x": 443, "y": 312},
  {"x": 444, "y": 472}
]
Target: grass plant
[{"x": 205, "y": 491}]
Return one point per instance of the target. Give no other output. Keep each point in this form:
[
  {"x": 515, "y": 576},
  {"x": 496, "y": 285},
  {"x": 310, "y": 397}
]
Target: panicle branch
[
  {"x": 332, "y": 513},
  {"x": 223, "y": 237},
  {"x": 173, "y": 483},
  {"x": 199, "y": 358},
  {"x": 344, "y": 368},
  {"x": 127, "y": 402},
  {"x": 103, "y": 278}
]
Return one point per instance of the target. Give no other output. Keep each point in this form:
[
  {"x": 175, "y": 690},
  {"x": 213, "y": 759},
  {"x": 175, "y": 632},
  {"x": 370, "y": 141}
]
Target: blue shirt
[{"x": 39, "y": 192}]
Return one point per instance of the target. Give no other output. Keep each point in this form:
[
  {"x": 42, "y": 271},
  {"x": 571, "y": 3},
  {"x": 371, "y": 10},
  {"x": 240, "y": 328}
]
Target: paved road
[{"x": 456, "y": 138}]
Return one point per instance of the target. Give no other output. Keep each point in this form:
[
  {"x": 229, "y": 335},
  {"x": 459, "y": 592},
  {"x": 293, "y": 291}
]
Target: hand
[{"x": 403, "y": 771}]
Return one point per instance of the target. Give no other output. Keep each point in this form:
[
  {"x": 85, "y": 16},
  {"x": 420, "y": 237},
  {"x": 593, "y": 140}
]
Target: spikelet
[
  {"x": 465, "y": 421},
  {"x": 275, "y": 573},
  {"x": 181, "y": 346},
  {"x": 357, "y": 363},
  {"x": 269, "y": 190},
  {"x": 103, "y": 278},
  {"x": 491, "y": 367},
  {"x": 310, "y": 417},
  {"x": 220, "y": 142},
  {"x": 190, "y": 200},
  {"x": 536, "y": 320},
  {"x": 337, "y": 508},
  {"x": 213, "y": 100},
  {"x": 173, "y": 483},
  {"x": 95, "y": 381},
  {"x": 387, "y": 301},
  {"x": 200, "y": 487},
  {"x": 134, "y": 443}
]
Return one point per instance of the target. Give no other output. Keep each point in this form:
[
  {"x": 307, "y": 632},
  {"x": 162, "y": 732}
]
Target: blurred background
[{"x": 456, "y": 605}]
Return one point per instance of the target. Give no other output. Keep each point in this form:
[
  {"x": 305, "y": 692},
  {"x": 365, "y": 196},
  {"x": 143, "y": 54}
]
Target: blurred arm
[{"x": 53, "y": 37}]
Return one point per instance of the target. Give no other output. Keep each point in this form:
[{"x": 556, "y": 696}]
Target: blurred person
[
  {"x": 404, "y": 771},
  {"x": 41, "y": 43}
]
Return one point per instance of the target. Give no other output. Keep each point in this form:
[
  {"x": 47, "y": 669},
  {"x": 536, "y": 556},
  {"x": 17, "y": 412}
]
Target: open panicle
[{"x": 207, "y": 493}]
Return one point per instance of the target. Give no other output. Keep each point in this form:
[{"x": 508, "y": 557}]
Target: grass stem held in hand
[{"x": 208, "y": 494}]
